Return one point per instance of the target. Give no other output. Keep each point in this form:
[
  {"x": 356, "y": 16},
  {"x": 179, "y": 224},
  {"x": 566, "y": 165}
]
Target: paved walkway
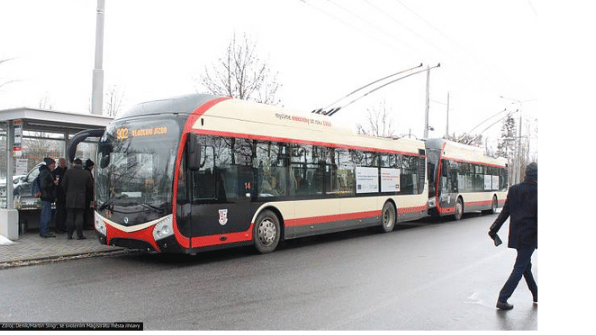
[{"x": 31, "y": 249}]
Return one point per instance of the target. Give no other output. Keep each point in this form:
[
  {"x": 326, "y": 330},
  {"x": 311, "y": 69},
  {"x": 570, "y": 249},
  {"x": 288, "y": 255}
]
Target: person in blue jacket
[{"x": 521, "y": 207}]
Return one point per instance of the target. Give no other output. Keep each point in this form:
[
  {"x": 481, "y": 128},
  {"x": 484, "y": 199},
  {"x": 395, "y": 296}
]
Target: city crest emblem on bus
[{"x": 223, "y": 216}]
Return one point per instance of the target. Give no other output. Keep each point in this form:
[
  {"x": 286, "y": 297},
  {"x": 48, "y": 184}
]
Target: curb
[{"x": 61, "y": 258}]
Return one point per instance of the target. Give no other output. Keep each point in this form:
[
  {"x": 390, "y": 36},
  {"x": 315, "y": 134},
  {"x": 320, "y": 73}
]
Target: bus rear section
[{"x": 462, "y": 179}]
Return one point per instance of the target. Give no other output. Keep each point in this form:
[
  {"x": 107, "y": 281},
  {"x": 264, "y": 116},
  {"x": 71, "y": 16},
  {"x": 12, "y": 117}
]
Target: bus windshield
[{"x": 136, "y": 169}]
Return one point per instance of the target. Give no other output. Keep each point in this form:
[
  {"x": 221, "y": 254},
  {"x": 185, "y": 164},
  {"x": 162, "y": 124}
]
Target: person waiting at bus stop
[
  {"x": 60, "y": 217},
  {"x": 76, "y": 185},
  {"x": 47, "y": 187},
  {"x": 522, "y": 208},
  {"x": 88, "y": 222}
]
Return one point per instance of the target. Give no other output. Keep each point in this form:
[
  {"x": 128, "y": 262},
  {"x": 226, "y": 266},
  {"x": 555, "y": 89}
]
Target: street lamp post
[{"x": 97, "y": 89}]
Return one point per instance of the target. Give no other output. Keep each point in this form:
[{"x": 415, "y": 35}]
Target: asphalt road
[{"x": 431, "y": 275}]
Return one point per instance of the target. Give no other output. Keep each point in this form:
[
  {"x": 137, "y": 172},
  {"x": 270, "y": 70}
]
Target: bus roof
[
  {"x": 242, "y": 118},
  {"x": 464, "y": 153},
  {"x": 182, "y": 105}
]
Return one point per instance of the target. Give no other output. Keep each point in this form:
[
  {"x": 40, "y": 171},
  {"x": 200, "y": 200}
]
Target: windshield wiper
[
  {"x": 155, "y": 208},
  {"x": 110, "y": 201}
]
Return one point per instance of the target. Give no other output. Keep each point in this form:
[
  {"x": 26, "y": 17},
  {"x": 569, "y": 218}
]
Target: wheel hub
[{"x": 267, "y": 232}]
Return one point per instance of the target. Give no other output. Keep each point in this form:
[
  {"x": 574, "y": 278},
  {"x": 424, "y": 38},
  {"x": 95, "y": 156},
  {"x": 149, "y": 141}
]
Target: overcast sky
[{"x": 322, "y": 50}]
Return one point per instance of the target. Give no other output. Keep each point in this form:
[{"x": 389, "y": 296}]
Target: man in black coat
[
  {"x": 522, "y": 206},
  {"x": 60, "y": 218},
  {"x": 47, "y": 187},
  {"x": 76, "y": 185}
]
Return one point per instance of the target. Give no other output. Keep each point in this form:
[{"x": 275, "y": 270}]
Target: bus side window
[
  {"x": 203, "y": 180},
  {"x": 271, "y": 170},
  {"x": 345, "y": 173},
  {"x": 298, "y": 169}
]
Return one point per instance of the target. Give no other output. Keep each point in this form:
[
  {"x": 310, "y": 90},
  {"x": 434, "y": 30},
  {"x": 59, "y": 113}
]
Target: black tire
[
  {"x": 493, "y": 207},
  {"x": 267, "y": 232},
  {"x": 459, "y": 209},
  {"x": 388, "y": 217}
]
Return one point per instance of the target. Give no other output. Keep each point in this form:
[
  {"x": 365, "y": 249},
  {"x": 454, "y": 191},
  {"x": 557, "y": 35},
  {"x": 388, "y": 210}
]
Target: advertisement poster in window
[
  {"x": 487, "y": 182},
  {"x": 367, "y": 180},
  {"x": 390, "y": 181}
]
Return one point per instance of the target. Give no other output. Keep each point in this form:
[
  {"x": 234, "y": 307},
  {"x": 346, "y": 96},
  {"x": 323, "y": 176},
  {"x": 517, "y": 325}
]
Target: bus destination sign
[{"x": 125, "y": 133}]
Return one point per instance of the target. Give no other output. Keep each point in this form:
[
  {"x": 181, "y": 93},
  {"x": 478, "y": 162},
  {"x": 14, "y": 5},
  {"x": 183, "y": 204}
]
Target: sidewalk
[{"x": 32, "y": 249}]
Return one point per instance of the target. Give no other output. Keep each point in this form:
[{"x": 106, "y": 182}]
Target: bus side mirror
[
  {"x": 445, "y": 169},
  {"x": 104, "y": 161},
  {"x": 194, "y": 152}
]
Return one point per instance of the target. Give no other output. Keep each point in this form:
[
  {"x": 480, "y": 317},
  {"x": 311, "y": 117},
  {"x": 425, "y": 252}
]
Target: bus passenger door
[
  {"x": 222, "y": 188},
  {"x": 448, "y": 185}
]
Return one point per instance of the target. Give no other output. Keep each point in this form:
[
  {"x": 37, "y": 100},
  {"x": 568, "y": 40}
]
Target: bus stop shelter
[{"x": 20, "y": 125}]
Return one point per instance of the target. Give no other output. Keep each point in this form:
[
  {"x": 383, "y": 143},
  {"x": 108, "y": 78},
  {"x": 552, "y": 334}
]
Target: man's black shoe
[
  {"x": 47, "y": 235},
  {"x": 504, "y": 306},
  {"x": 81, "y": 238}
]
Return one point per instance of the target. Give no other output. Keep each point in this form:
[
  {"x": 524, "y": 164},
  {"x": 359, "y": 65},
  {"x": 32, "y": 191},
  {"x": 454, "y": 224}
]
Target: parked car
[
  {"x": 15, "y": 181},
  {"x": 23, "y": 200}
]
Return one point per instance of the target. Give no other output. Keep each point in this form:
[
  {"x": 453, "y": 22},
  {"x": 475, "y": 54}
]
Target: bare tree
[
  {"x": 467, "y": 139},
  {"x": 506, "y": 146},
  {"x": 113, "y": 101},
  {"x": 45, "y": 103},
  {"x": 242, "y": 74},
  {"x": 39, "y": 146},
  {"x": 379, "y": 122}
]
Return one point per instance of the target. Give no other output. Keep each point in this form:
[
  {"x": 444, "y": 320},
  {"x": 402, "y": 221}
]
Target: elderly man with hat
[
  {"x": 47, "y": 186},
  {"x": 522, "y": 208},
  {"x": 76, "y": 185}
]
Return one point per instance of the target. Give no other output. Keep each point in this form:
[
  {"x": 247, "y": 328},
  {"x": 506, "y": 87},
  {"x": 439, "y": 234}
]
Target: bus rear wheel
[
  {"x": 493, "y": 206},
  {"x": 267, "y": 232},
  {"x": 388, "y": 217},
  {"x": 459, "y": 209}
]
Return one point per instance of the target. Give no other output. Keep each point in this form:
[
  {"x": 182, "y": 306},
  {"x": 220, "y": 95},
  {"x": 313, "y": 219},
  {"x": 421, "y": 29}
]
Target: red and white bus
[
  {"x": 199, "y": 172},
  {"x": 462, "y": 179}
]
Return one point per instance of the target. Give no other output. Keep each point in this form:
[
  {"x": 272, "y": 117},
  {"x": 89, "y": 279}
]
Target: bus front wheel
[{"x": 267, "y": 232}]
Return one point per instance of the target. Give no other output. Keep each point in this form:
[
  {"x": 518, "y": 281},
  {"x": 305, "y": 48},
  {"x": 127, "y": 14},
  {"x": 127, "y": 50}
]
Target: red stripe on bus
[
  {"x": 412, "y": 209},
  {"x": 447, "y": 210},
  {"x": 145, "y": 235},
  {"x": 331, "y": 218},
  {"x": 210, "y": 240}
]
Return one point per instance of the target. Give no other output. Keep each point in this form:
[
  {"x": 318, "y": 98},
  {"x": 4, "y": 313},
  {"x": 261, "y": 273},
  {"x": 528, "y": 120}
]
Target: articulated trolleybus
[
  {"x": 199, "y": 172},
  {"x": 463, "y": 179}
]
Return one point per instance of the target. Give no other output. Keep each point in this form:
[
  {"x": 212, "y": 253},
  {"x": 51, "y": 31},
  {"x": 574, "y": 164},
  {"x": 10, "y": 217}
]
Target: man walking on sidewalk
[
  {"x": 76, "y": 185},
  {"x": 522, "y": 206}
]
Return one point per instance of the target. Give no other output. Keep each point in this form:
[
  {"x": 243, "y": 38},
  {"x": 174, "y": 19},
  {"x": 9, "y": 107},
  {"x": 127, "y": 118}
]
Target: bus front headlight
[
  {"x": 163, "y": 228},
  {"x": 100, "y": 225},
  {"x": 432, "y": 203}
]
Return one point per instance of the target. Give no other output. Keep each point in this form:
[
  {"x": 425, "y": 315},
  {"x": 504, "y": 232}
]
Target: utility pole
[
  {"x": 447, "y": 126},
  {"x": 427, "y": 109},
  {"x": 426, "y": 126},
  {"x": 519, "y": 150},
  {"x": 97, "y": 89}
]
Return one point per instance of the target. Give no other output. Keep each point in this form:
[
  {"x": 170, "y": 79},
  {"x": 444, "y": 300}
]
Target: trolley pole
[{"x": 97, "y": 89}]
